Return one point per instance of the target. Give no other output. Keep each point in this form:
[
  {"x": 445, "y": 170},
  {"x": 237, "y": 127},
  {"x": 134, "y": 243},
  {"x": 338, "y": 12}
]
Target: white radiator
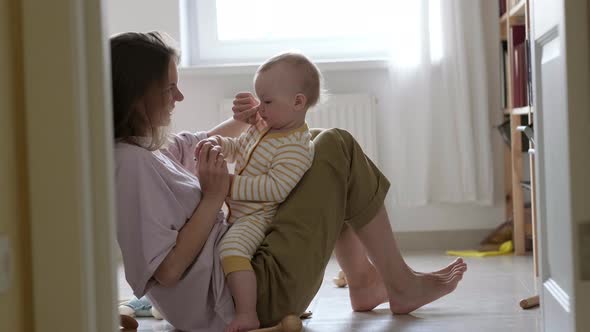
[{"x": 353, "y": 112}]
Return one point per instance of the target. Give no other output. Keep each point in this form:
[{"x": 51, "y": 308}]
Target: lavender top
[{"x": 157, "y": 193}]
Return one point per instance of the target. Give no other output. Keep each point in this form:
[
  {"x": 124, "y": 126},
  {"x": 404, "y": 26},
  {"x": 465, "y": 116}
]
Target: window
[{"x": 249, "y": 31}]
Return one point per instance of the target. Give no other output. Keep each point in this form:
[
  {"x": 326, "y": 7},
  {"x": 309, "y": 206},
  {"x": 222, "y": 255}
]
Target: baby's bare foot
[{"x": 243, "y": 322}]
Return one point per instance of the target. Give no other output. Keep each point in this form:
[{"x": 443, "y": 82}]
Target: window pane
[
  {"x": 232, "y": 31},
  {"x": 436, "y": 28},
  {"x": 239, "y": 20},
  {"x": 405, "y": 43}
]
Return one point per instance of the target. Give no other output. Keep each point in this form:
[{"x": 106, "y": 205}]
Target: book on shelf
[
  {"x": 518, "y": 34},
  {"x": 518, "y": 73},
  {"x": 519, "y": 67},
  {"x": 529, "y": 62},
  {"x": 502, "y": 7},
  {"x": 504, "y": 74}
]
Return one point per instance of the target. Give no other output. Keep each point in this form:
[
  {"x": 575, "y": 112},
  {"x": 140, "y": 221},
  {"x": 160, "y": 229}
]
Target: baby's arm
[
  {"x": 229, "y": 146},
  {"x": 288, "y": 166}
]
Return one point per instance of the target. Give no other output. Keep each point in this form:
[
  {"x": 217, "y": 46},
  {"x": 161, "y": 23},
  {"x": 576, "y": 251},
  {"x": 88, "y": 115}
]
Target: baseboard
[{"x": 441, "y": 240}]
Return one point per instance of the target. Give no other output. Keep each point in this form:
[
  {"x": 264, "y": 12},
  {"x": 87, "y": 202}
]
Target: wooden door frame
[{"x": 68, "y": 121}]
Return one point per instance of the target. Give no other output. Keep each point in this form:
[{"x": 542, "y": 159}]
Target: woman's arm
[
  {"x": 213, "y": 174},
  {"x": 228, "y": 128},
  {"x": 245, "y": 112},
  {"x": 190, "y": 241}
]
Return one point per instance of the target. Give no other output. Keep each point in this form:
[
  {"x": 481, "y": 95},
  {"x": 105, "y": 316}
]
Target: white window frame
[{"x": 202, "y": 48}]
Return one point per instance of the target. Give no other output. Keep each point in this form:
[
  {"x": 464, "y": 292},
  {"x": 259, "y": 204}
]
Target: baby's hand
[
  {"x": 246, "y": 108},
  {"x": 211, "y": 140}
]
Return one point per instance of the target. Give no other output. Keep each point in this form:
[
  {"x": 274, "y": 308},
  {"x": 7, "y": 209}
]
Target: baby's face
[{"x": 276, "y": 90}]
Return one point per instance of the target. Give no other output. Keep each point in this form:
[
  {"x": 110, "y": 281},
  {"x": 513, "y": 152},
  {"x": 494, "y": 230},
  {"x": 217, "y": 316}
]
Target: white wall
[
  {"x": 143, "y": 16},
  {"x": 204, "y": 89}
]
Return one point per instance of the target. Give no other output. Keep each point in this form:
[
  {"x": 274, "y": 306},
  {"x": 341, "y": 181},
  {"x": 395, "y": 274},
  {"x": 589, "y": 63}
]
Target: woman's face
[{"x": 161, "y": 99}]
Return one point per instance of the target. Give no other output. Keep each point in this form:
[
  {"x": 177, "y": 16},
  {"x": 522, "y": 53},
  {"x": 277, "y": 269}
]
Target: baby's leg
[
  {"x": 242, "y": 285},
  {"x": 236, "y": 249}
]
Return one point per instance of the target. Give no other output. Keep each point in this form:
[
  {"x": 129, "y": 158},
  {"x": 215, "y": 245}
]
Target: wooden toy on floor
[
  {"x": 128, "y": 323},
  {"x": 340, "y": 280},
  {"x": 290, "y": 323},
  {"x": 530, "y": 302}
]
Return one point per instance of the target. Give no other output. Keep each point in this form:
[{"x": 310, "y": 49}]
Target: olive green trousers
[{"x": 342, "y": 186}]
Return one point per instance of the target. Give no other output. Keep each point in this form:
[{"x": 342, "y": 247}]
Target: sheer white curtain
[{"x": 443, "y": 150}]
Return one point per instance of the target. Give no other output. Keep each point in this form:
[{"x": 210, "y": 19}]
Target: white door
[{"x": 561, "y": 70}]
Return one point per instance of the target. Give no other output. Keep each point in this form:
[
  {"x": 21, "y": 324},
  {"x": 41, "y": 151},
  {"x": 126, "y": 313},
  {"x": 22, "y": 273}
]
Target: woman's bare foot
[
  {"x": 422, "y": 289},
  {"x": 447, "y": 271},
  {"x": 368, "y": 293},
  {"x": 243, "y": 322},
  {"x": 449, "y": 268}
]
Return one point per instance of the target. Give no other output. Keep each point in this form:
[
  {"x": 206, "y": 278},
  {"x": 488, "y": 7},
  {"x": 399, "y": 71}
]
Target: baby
[{"x": 271, "y": 157}]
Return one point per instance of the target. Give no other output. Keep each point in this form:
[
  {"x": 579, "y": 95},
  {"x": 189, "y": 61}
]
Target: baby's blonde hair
[{"x": 311, "y": 77}]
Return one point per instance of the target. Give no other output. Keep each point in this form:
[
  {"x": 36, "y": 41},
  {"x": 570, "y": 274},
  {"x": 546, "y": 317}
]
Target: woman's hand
[
  {"x": 246, "y": 108},
  {"x": 212, "y": 172},
  {"x": 212, "y": 140}
]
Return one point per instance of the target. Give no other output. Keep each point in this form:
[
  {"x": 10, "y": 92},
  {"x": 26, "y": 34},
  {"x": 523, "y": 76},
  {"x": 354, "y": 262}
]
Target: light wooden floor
[{"x": 486, "y": 300}]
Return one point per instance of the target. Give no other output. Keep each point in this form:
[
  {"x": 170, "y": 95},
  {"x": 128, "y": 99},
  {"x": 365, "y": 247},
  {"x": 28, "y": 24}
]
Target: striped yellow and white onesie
[{"x": 268, "y": 167}]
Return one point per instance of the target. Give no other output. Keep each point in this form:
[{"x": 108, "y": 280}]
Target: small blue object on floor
[{"x": 141, "y": 307}]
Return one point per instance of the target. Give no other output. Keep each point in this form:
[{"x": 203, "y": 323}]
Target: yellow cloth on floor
[{"x": 505, "y": 249}]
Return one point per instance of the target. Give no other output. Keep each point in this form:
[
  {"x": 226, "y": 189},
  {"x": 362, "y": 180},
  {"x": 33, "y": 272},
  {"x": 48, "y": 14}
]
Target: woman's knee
[
  {"x": 333, "y": 140},
  {"x": 332, "y": 133}
]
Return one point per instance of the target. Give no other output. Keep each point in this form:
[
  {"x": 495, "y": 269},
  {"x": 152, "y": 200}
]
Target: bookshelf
[{"x": 518, "y": 111}]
